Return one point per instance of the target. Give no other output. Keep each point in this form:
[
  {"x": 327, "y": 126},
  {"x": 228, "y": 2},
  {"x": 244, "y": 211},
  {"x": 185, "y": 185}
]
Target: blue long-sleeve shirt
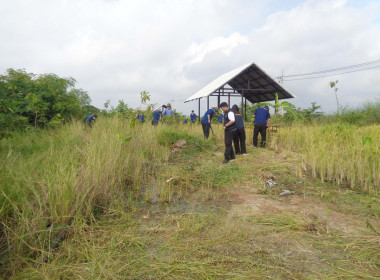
[
  {"x": 205, "y": 118},
  {"x": 220, "y": 118}
]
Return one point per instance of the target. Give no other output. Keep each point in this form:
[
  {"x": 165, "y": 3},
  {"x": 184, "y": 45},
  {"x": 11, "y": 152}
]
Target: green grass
[{"x": 133, "y": 208}]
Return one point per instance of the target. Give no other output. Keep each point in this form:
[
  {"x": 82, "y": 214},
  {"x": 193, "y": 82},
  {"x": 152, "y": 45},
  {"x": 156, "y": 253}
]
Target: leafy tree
[
  {"x": 84, "y": 98},
  {"x": 144, "y": 96},
  {"x": 311, "y": 112},
  {"x": 36, "y": 105},
  {"x": 30, "y": 99},
  {"x": 107, "y": 104},
  {"x": 122, "y": 108}
]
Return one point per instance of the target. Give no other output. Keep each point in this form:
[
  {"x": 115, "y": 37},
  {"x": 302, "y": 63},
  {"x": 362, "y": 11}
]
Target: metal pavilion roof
[{"x": 248, "y": 81}]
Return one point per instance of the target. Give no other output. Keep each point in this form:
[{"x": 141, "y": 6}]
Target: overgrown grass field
[
  {"x": 123, "y": 201},
  {"x": 342, "y": 153}
]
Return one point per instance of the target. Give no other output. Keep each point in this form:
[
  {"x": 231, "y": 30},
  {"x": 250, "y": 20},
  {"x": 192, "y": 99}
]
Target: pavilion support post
[
  {"x": 245, "y": 109},
  {"x": 241, "y": 106},
  {"x": 218, "y": 100},
  {"x": 199, "y": 109},
  {"x": 229, "y": 99},
  {"x": 208, "y": 102}
]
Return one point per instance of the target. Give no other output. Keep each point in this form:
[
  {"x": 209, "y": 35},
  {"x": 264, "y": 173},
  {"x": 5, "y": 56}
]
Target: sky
[{"x": 115, "y": 49}]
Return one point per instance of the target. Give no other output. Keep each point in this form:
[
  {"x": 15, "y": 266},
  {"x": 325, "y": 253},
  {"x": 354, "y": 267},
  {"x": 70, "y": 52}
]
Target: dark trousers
[
  {"x": 262, "y": 129},
  {"x": 239, "y": 141},
  {"x": 206, "y": 130},
  {"x": 228, "y": 136},
  {"x": 154, "y": 122}
]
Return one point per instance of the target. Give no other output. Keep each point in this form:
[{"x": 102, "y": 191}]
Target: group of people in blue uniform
[
  {"x": 234, "y": 132},
  {"x": 166, "y": 111},
  {"x": 233, "y": 124}
]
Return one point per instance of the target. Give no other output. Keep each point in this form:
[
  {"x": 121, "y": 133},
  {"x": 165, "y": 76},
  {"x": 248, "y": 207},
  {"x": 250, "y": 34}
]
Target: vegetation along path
[{"x": 257, "y": 217}]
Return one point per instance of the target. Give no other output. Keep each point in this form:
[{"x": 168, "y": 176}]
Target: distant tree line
[{"x": 47, "y": 100}]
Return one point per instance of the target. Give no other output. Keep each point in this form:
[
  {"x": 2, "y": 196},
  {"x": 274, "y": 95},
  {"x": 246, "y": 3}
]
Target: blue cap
[{"x": 266, "y": 107}]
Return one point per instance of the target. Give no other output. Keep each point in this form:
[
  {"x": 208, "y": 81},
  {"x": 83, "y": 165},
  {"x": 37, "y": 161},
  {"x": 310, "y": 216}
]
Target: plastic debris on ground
[
  {"x": 285, "y": 192},
  {"x": 270, "y": 183}
]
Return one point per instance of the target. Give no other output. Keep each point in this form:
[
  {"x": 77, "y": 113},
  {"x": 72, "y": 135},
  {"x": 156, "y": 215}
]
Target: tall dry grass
[
  {"x": 51, "y": 179},
  {"x": 342, "y": 153}
]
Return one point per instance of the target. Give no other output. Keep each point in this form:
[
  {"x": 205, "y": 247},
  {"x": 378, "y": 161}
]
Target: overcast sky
[{"x": 117, "y": 48}]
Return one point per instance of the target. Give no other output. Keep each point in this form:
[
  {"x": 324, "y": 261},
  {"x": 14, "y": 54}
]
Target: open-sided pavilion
[{"x": 249, "y": 82}]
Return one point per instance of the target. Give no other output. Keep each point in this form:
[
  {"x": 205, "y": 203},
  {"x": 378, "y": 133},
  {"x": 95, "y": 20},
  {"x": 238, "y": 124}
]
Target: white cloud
[
  {"x": 115, "y": 49},
  {"x": 225, "y": 45}
]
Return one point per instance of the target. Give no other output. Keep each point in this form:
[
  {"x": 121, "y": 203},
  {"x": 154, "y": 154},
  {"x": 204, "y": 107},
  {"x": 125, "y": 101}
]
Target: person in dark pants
[
  {"x": 262, "y": 123},
  {"x": 206, "y": 122},
  {"x": 229, "y": 131},
  {"x": 239, "y": 139}
]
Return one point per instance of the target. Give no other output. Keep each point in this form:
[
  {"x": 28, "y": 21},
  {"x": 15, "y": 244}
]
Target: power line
[
  {"x": 335, "y": 69},
  {"x": 332, "y": 74}
]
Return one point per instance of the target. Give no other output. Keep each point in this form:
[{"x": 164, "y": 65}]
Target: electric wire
[
  {"x": 336, "y": 74},
  {"x": 335, "y": 69}
]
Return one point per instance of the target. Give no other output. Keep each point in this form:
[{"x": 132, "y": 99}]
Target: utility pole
[{"x": 281, "y": 80}]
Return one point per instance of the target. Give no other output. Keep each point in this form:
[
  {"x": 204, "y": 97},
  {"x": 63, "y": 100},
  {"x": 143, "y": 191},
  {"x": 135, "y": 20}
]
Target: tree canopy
[{"x": 28, "y": 99}]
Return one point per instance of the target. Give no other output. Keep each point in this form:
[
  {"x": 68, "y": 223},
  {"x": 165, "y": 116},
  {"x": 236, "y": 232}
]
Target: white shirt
[{"x": 231, "y": 116}]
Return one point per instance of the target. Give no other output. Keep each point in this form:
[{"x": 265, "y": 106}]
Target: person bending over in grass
[
  {"x": 220, "y": 120},
  {"x": 141, "y": 117},
  {"x": 239, "y": 138},
  {"x": 261, "y": 122},
  {"x": 90, "y": 119},
  {"x": 156, "y": 117},
  {"x": 229, "y": 131},
  {"x": 206, "y": 122}
]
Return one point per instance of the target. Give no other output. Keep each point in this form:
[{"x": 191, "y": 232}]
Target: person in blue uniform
[
  {"x": 229, "y": 131},
  {"x": 239, "y": 138},
  {"x": 168, "y": 111},
  {"x": 220, "y": 120},
  {"x": 156, "y": 117},
  {"x": 90, "y": 119},
  {"x": 140, "y": 117},
  {"x": 206, "y": 122},
  {"x": 261, "y": 123},
  {"x": 193, "y": 117}
]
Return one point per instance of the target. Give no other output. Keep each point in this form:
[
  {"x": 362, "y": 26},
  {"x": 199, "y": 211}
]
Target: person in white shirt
[{"x": 229, "y": 131}]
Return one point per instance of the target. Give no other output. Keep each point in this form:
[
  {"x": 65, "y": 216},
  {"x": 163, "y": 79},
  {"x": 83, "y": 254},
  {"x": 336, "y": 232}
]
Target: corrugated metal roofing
[{"x": 261, "y": 87}]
